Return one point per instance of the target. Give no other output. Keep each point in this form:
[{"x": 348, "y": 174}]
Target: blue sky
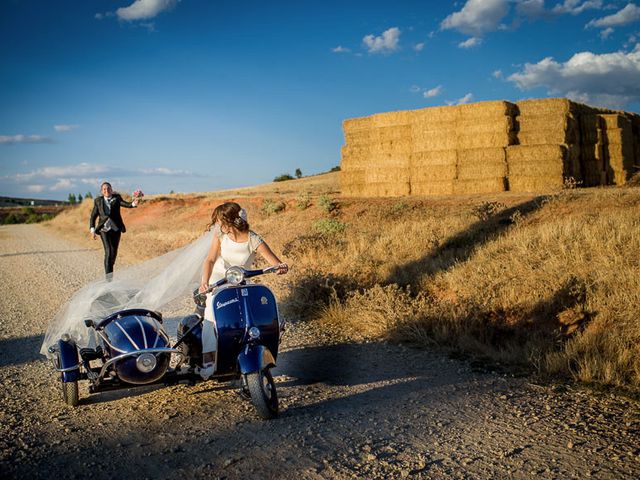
[{"x": 197, "y": 95}]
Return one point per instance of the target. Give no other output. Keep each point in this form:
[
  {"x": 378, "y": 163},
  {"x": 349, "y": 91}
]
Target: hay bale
[
  {"x": 432, "y": 188},
  {"x": 546, "y": 137},
  {"x": 352, "y": 176},
  {"x": 431, "y": 128},
  {"x": 590, "y": 128},
  {"x": 391, "y": 133},
  {"x": 485, "y": 185},
  {"x": 386, "y": 175},
  {"x": 526, "y": 183},
  {"x": 392, "y": 119},
  {"x": 487, "y": 109},
  {"x": 482, "y": 172},
  {"x": 486, "y": 140},
  {"x": 433, "y": 157},
  {"x": 387, "y": 189},
  {"x": 548, "y": 106},
  {"x": 615, "y": 120},
  {"x": 481, "y": 156},
  {"x": 432, "y": 173},
  {"x": 426, "y": 142},
  {"x": 434, "y": 115},
  {"x": 486, "y": 125},
  {"x": 359, "y": 137},
  {"x": 618, "y": 135},
  {"x": 542, "y": 168},
  {"x": 355, "y": 124},
  {"x": 534, "y": 153}
]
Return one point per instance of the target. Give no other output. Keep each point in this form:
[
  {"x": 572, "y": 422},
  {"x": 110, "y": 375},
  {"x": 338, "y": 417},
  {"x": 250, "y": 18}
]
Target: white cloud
[
  {"x": 434, "y": 92},
  {"x": 497, "y": 74},
  {"x": 466, "y": 99},
  {"x": 340, "y": 49},
  {"x": 576, "y": 7},
  {"x": 477, "y": 17},
  {"x": 13, "y": 139},
  {"x": 37, "y": 188},
  {"x": 65, "y": 128},
  {"x": 609, "y": 79},
  {"x": 62, "y": 184},
  {"x": 385, "y": 43},
  {"x": 418, "y": 47},
  {"x": 144, "y": 9},
  {"x": 531, "y": 8},
  {"x": 604, "y": 34},
  {"x": 629, "y": 14},
  {"x": 470, "y": 43},
  {"x": 166, "y": 171}
]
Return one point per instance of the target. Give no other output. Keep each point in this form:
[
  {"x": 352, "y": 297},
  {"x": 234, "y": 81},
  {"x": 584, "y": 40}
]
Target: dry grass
[{"x": 550, "y": 282}]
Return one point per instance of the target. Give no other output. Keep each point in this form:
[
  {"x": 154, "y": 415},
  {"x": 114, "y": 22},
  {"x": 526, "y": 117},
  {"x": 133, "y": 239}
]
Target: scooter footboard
[{"x": 255, "y": 359}]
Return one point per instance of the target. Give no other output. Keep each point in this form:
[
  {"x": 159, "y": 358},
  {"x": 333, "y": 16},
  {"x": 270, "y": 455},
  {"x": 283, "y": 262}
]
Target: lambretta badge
[
  {"x": 264, "y": 300},
  {"x": 244, "y": 292},
  {"x": 224, "y": 304}
]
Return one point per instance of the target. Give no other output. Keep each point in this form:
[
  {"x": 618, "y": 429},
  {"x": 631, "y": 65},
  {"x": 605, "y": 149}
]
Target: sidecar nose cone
[{"x": 146, "y": 362}]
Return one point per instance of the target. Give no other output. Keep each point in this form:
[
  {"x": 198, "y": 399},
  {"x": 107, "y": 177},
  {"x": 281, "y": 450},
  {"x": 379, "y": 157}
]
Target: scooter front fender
[
  {"x": 255, "y": 358},
  {"x": 69, "y": 361}
]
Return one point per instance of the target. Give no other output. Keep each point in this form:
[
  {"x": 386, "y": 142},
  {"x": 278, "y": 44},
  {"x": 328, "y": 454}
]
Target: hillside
[{"x": 547, "y": 282}]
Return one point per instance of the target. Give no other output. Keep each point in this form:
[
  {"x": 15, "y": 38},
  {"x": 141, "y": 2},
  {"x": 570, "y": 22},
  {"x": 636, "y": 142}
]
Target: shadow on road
[
  {"x": 16, "y": 351},
  {"x": 48, "y": 252}
]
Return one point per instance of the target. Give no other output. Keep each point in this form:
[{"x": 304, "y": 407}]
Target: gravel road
[{"x": 360, "y": 410}]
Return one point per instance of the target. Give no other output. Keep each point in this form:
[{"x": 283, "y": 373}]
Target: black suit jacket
[{"x": 100, "y": 213}]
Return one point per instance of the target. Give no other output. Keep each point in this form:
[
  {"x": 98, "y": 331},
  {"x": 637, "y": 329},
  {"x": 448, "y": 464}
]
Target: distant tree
[
  {"x": 72, "y": 198},
  {"x": 283, "y": 177},
  {"x": 335, "y": 169},
  {"x": 298, "y": 173},
  {"x": 172, "y": 192},
  {"x": 79, "y": 198},
  {"x": 88, "y": 195}
]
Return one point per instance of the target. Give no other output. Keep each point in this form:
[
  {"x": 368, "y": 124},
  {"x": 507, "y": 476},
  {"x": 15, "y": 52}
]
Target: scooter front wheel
[
  {"x": 70, "y": 393},
  {"x": 263, "y": 393}
]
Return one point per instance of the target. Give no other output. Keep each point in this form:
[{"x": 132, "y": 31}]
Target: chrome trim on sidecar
[{"x": 113, "y": 360}]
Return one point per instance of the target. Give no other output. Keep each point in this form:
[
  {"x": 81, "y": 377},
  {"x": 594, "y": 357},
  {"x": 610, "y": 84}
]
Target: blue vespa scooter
[{"x": 135, "y": 350}]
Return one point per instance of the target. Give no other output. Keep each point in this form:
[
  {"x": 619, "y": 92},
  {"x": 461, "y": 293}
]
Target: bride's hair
[{"x": 229, "y": 214}]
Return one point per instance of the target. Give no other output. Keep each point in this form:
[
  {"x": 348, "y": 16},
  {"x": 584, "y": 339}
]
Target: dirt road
[{"x": 369, "y": 410}]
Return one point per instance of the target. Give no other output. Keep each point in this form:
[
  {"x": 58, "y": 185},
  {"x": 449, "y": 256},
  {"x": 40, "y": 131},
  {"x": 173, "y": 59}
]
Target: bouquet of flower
[{"x": 137, "y": 196}]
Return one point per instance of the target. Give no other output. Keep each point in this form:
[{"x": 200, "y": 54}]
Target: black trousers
[{"x": 110, "y": 242}]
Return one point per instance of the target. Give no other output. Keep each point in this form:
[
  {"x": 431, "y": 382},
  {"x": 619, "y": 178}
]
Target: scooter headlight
[
  {"x": 254, "y": 332},
  {"x": 234, "y": 276},
  {"x": 146, "y": 362}
]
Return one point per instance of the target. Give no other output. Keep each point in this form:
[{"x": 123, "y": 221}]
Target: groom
[{"x": 106, "y": 208}]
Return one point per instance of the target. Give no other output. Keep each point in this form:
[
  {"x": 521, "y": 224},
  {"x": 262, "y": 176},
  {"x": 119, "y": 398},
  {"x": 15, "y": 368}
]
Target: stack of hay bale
[
  {"x": 434, "y": 157},
  {"x": 376, "y": 158},
  {"x": 488, "y": 147},
  {"x": 618, "y": 145},
  {"x": 549, "y": 145},
  {"x": 484, "y": 131},
  {"x": 592, "y": 150}
]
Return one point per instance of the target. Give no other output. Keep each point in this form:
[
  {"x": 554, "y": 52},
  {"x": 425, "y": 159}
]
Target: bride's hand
[
  {"x": 283, "y": 268},
  {"x": 203, "y": 287}
]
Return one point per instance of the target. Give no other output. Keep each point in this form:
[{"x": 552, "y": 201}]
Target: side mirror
[{"x": 89, "y": 323}]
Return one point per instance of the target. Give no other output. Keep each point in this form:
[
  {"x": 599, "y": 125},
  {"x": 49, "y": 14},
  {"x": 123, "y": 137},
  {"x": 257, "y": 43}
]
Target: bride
[{"x": 233, "y": 244}]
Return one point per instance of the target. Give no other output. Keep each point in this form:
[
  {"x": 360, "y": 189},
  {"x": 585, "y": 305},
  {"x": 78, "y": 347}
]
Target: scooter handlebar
[{"x": 246, "y": 274}]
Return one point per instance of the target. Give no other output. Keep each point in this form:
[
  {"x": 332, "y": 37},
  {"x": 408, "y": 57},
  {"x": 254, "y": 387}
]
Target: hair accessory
[{"x": 243, "y": 214}]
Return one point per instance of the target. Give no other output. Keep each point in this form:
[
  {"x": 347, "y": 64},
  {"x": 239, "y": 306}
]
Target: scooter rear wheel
[{"x": 263, "y": 393}]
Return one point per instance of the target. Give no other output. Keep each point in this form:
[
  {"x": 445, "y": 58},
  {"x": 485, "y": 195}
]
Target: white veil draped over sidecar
[{"x": 164, "y": 283}]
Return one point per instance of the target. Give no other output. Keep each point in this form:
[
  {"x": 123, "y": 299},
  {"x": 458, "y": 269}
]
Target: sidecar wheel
[
  {"x": 263, "y": 393},
  {"x": 70, "y": 393}
]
